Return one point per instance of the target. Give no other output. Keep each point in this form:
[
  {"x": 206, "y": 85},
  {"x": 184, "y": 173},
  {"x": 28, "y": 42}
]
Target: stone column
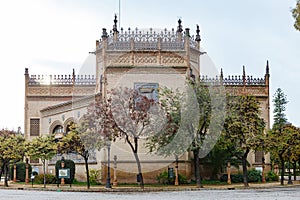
[
  {"x": 263, "y": 170},
  {"x": 15, "y": 173},
  {"x": 27, "y": 172},
  {"x": 228, "y": 173},
  {"x": 62, "y": 182}
]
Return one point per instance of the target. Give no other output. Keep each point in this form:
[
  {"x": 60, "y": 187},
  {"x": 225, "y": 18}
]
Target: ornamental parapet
[
  {"x": 142, "y": 40},
  {"x": 61, "y": 80},
  {"x": 234, "y": 80}
]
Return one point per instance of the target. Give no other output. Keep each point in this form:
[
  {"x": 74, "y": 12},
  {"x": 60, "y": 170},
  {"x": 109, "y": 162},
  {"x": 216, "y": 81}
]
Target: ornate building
[{"x": 144, "y": 60}]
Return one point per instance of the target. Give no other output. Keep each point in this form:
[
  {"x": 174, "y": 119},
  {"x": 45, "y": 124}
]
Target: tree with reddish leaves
[{"x": 124, "y": 114}]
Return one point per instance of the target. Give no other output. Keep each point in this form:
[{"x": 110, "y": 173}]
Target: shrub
[
  {"x": 95, "y": 176},
  {"x": 50, "y": 179},
  {"x": 254, "y": 175},
  {"x": 271, "y": 176},
  {"x": 163, "y": 178},
  {"x": 21, "y": 171},
  {"x": 68, "y": 164},
  {"x": 235, "y": 178}
]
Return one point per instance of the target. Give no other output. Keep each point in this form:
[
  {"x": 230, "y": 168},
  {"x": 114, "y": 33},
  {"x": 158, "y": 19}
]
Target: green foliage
[
  {"x": 21, "y": 171},
  {"x": 296, "y": 15},
  {"x": 243, "y": 128},
  {"x": 271, "y": 176},
  {"x": 50, "y": 179},
  {"x": 68, "y": 164},
  {"x": 95, "y": 176},
  {"x": 254, "y": 175},
  {"x": 280, "y": 101},
  {"x": 43, "y": 147},
  {"x": 164, "y": 179}
]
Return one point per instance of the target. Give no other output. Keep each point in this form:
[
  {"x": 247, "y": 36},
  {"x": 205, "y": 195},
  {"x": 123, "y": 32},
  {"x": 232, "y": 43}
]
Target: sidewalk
[{"x": 101, "y": 188}]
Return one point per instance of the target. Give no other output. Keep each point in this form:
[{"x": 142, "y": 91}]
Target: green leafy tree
[
  {"x": 296, "y": 15},
  {"x": 190, "y": 117},
  {"x": 243, "y": 128},
  {"x": 284, "y": 145},
  {"x": 44, "y": 148},
  {"x": 277, "y": 134},
  {"x": 12, "y": 149},
  {"x": 81, "y": 140},
  {"x": 280, "y": 101}
]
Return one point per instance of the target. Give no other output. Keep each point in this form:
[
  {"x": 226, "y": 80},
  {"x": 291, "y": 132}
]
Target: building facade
[{"x": 139, "y": 59}]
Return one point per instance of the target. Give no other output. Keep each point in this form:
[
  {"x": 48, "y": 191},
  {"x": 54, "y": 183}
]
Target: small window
[
  {"x": 259, "y": 156},
  {"x": 34, "y": 127},
  {"x": 149, "y": 90}
]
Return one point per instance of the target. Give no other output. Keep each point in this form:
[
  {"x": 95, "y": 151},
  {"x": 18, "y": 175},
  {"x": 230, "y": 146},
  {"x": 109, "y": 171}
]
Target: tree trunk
[
  {"x": 1, "y": 171},
  {"x": 197, "y": 168},
  {"x": 6, "y": 175},
  {"x": 87, "y": 172},
  {"x": 282, "y": 169},
  {"x": 44, "y": 169},
  {"x": 139, "y": 169},
  {"x": 294, "y": 169},
  {"x": 245, "y": 171},
  {"x": 137, "y": 159}
]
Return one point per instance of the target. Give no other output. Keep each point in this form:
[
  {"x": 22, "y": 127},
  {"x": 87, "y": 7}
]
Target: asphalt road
[{"x": 242, "y": 194}]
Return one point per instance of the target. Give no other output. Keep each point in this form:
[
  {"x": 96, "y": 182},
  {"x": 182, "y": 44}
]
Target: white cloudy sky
[{"x": 54, "y": 36}]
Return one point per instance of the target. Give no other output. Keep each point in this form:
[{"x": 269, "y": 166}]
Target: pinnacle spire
[
  {"x": 267, "y": 67},
  {"x": 198, "y": 34},
  {"x": 221, "y": 74},
  {"x": 115, "y": 27},
  {"x": 179, "y": 28}
]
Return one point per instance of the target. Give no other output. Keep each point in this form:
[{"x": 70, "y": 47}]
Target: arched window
[{"x": 58, "y": 131}]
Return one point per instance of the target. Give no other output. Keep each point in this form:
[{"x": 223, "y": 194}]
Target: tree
[
  {"x": 126, "y": 114},
  {"x": 284, "y": 145},
  {"x": 243, "y": 128},
  {"x": 296, "y": 15},
  {"x": 12, "y": 149},
  {"x": 80, "y": 139},
  {"x": 280, "y": 102},
  {"x": 195, "y": 119},
  {"x": 44, "y": 148},
  {"x": 277, "y": 134}
]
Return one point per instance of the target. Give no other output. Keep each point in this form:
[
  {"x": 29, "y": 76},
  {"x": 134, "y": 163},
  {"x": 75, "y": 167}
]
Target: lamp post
[
  {"x": 176, "y": 170},
  {"x": 115, "y": 182},
  {"x": 108, "y": 185},
  {"x": 289, "y": 167}
]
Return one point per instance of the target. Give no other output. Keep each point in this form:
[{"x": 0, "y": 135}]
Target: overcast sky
[{"x": 54, "y": 36}]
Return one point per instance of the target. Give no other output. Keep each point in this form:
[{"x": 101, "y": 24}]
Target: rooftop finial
[
  {"x": 179, "y": 28},
  {"x": 221, "y": 74},
  {"x": 115, "y": 29},
  {"x": 244, "y": 73},
  {"x": 267, "y": 68},
  {"x": 198, "y": 34}
]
